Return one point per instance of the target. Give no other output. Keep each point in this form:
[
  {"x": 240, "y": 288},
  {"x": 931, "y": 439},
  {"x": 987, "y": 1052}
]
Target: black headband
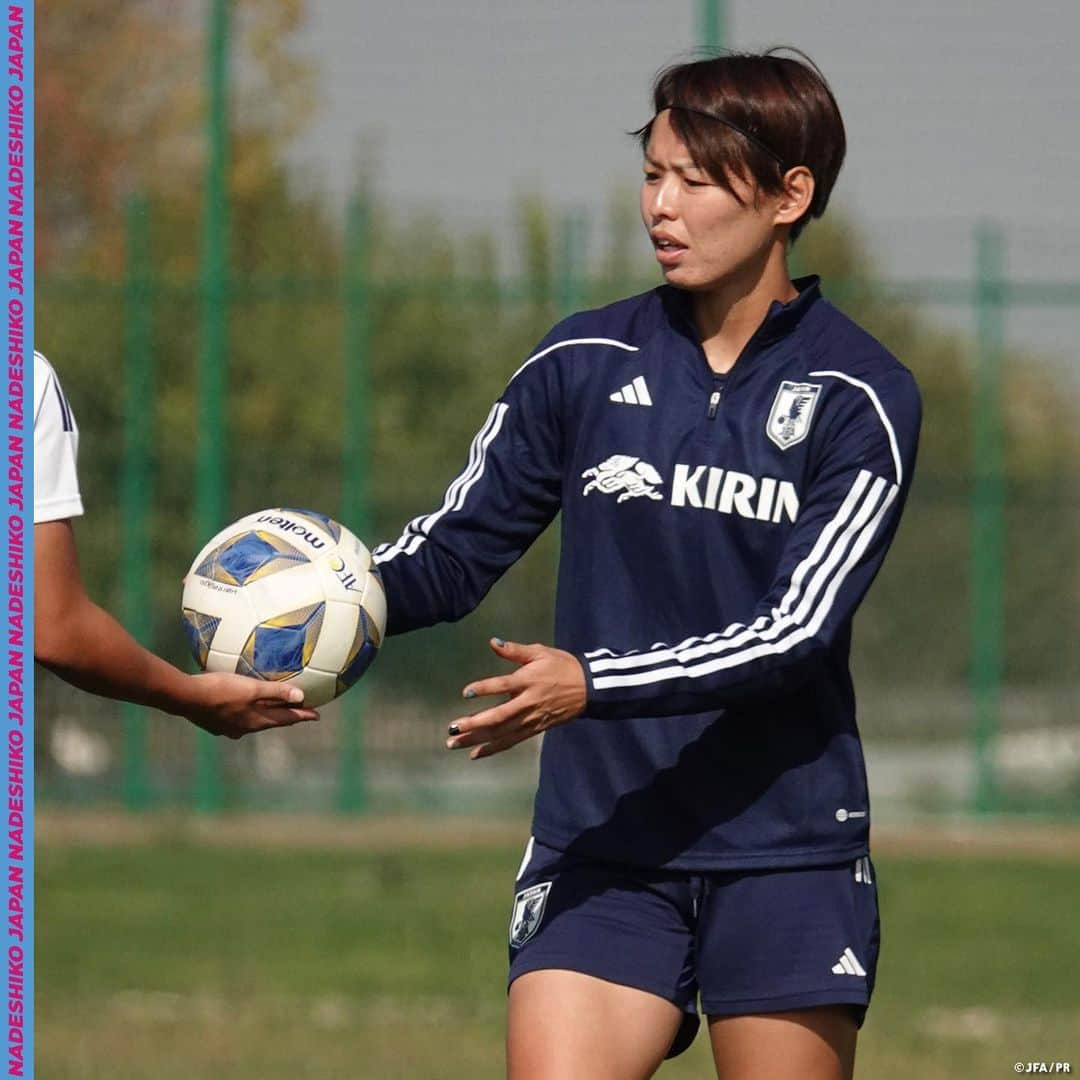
[{"x": 751, "y": 138}]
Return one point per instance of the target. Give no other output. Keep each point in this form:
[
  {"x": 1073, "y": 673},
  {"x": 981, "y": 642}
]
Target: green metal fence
[{"x": 239, "y": 392}]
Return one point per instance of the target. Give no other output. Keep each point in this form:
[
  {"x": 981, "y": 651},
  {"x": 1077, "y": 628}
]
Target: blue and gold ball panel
[
  {"x": 364, "y": 647},
  {"x": 327, "y": 524},
  {"x": 249, "y": 557},
  {"x": 281, "y": 647},
  {"x": 200, "y": 630}
]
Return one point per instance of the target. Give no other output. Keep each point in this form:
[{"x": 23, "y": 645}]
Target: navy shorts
[{"x": 745, "y": 941}]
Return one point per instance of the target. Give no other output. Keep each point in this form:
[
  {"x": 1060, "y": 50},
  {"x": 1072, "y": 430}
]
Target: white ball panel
[
  {"x": 353, "y": 549},
  {"x": 236, "y": 626},
  {"x": 319, "y": 686},
  {"x": 336, "y": 637},
  {"x": 221, "y": 661},
  {"x": 343, "y": 577},
  {"x": 226, "y": 602},
  {"x": 287, "y": 590},
  {"x": 210, "y": 597}
]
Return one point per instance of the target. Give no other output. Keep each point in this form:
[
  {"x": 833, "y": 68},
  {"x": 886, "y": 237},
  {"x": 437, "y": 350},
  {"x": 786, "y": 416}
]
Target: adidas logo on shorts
[{"x": 848, "y": 964}]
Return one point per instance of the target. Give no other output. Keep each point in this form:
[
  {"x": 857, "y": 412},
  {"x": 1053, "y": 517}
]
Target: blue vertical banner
[{"x": 18, "y": 736}]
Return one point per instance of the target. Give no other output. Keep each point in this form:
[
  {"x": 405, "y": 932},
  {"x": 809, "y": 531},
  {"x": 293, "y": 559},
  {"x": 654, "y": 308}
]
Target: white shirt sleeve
[{"x": 56, "y": 448}]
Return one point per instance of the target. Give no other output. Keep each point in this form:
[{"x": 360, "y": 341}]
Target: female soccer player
[
  {"x": 730, "y": 455},
  {"x": 83, "y": 643}
]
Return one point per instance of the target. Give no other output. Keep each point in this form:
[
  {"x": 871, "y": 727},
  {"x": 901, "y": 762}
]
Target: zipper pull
[{"x": 714, "y": 403}]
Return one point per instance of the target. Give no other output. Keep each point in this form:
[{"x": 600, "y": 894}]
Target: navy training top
[{"x": 718, "y": 533}]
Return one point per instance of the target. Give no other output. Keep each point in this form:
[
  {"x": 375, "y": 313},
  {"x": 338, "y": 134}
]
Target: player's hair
[{"x": 754, "y": 116}]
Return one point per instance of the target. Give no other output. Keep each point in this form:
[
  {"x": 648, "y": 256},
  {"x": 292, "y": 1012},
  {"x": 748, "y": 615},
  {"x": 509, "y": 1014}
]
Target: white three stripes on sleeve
[
  {"x": 416, "y": 532},
  {"x": 811, "y": 594},
  {"x": 824, "y": 540}
]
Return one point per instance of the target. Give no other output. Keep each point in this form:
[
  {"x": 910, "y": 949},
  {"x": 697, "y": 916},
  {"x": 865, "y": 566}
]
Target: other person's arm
[{"x": 87, "y": 647}]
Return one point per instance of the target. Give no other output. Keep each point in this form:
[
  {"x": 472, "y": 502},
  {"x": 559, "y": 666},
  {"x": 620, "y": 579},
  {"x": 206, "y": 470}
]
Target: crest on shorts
[
  {"x": 528, "y": 911},
  {"x": 792, "y": 409}
]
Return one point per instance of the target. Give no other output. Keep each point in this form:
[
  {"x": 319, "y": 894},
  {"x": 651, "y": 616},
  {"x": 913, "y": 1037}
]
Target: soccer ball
[{"x": 287, "y": 595}]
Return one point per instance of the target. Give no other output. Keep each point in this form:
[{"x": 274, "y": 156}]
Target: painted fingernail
[
  {"x": 469, "y": 693},
  {"x": 499, "y": 641},
  {"x": 296, "y": 694},
  {"x": 449, "y": 744},
  {"x": 453, "y": 729}
]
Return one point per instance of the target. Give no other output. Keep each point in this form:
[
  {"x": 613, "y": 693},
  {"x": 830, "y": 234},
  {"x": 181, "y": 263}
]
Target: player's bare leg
[
  {"x": 809, "y": 1044},
  {"x": 563, "y": 1025}
]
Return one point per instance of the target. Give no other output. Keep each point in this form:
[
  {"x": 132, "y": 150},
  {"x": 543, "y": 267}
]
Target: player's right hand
[{"x": 236, "y": 705}]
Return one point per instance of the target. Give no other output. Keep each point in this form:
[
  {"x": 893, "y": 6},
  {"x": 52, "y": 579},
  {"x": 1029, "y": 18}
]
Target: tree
[{"x": 120, "y": 108}]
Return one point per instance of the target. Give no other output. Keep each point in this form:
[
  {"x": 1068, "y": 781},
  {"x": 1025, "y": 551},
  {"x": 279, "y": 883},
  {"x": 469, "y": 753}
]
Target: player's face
[{"x": 701, "y": 234}]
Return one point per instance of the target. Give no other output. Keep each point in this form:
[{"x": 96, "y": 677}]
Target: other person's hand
[{"x": 236, "y": 705}]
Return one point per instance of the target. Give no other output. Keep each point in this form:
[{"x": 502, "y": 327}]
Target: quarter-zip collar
[{"x": 780, "y": 320}]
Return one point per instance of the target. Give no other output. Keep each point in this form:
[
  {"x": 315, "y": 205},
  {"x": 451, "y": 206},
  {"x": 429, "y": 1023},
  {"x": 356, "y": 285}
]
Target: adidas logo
[
  {"x": 848, "y": 964},
  {"x": 633, "y": 393}
]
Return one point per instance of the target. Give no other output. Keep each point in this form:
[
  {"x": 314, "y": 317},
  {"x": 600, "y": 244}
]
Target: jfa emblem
[
  {"x": 623, "y": 473},
  {"x": 789, "y": 418},
  {"x": 528, "y": 910}
]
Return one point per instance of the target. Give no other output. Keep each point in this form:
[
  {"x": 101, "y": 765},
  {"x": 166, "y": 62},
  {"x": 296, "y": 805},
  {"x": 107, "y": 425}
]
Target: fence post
[
  {"x": 352, "y": 795},
  {"x": 136, "y": 482},
  {"x": 211, "y": 466},
  {"x": 570, "y": 271},
  {"x": 987, "y": 518},
  {"x": 712, "y": 24}
]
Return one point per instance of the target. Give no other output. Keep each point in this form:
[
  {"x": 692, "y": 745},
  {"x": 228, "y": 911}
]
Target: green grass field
[{"x": 172, "y": 957}]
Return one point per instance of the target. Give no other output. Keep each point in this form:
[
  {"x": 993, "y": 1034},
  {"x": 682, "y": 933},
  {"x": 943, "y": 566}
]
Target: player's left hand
[{"x": 547, "y": 689}]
